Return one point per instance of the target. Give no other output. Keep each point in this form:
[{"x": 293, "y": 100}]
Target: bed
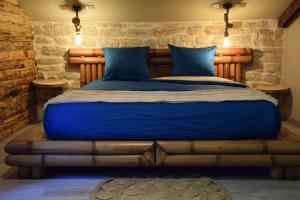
[
  {"x": 241, "y": 127},
  {"x": 170, "y": 108}
]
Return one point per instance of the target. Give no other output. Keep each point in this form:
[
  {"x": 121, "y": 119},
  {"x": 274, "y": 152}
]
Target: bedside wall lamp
[
  {"x": 227, "y": 7},
  {"x": 76, "y": 22}
]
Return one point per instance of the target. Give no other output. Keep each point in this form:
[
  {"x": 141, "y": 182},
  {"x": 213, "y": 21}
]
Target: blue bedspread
[{"x": 161, "y": 120}]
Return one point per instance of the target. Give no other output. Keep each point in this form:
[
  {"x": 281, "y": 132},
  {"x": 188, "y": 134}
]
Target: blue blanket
[{"x": 160, "y": 120}]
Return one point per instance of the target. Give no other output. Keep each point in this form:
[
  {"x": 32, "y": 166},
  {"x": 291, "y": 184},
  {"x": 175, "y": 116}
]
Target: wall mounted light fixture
[
  {"x": 76, "y": 22},
  {"x": 228, "y": 25}
]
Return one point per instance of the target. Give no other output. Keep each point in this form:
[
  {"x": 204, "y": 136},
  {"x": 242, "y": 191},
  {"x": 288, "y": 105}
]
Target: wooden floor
[{"x": 75, "y": 184}]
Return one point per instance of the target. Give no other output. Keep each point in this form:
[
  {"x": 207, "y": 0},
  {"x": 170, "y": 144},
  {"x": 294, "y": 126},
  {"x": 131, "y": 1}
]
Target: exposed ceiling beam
[{"x": 290, "y": 14}]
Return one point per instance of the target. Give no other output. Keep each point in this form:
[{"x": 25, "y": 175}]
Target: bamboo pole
[
  {"x": 160, "y": 60},
  {"x": 238, "y": 72},
  {"x": 88, "y": 74},
  {"x": 221, "y": 70},
  {"x": 226, "y": 71},
  {"x": 94, "y": 72},
  {"x": 231, "y": 146},
  {"x": 80, "y": 160},
  {"x": 232, "y": 74},
  {"x": 87, "y": 60},
  {"x": 160, "y": 52},
  {"x": 82, "y": 73}
]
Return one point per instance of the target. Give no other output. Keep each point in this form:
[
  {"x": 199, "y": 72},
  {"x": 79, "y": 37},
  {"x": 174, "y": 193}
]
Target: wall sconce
[
  {"x": 76, "y": 22},
  {"x": 228, "y": 25}
]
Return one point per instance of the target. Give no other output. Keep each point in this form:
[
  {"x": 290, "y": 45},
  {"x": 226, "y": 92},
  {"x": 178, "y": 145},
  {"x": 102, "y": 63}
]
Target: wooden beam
[{"x": 290, "y": 14}]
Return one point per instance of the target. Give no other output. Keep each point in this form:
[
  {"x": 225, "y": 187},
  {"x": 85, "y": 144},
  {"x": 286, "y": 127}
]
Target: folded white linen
[{"x": 211, "y": 95}]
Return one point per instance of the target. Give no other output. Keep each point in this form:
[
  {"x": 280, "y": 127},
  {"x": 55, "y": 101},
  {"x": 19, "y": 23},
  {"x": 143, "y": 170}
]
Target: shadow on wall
[
  {"x": 82, "y": 5},
  {"x": 69, "y": 4},
  {"x": 286, "y": 106}
]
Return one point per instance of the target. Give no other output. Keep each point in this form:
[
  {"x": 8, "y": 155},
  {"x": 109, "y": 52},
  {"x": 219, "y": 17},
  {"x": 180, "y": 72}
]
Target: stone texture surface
[
  {"x": 17, "y": 68},
  {"x": 53, "y": 39},
  {"x": 161, "y": 188}
]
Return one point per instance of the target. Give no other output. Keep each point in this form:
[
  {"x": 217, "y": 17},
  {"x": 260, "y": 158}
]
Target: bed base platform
[
  {"x": 32, "y": 152},
  {"x": 283, "y": 157}
]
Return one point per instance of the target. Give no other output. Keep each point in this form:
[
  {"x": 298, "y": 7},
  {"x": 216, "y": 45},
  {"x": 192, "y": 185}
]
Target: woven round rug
[{"x": 160, "y": 189}]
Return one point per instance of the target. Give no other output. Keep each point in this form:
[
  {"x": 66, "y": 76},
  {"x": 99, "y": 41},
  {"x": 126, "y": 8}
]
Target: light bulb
[
  {"x": 78, "y": 38},
  {"x": 226, "y": 42}
]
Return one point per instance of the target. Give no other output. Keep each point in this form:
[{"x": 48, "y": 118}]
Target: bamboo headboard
[{"x": 228, "y": 62}]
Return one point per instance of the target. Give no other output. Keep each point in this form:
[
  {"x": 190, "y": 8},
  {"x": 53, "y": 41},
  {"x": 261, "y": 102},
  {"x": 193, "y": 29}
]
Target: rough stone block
[
  {"x": 88, "y": 41},
  {"x": 269, "y": 57},
  {"x": 72, "y": 76},
  {"x": 130, "y": 42},
  {"x": 63, "y": 40},
  {"x": 89, "y": 30},
  {"x": 252, "y": 76},
  {"x": 112, "y": 32},
  {"x": 194, "y": 30},
  {"x": 50, "y": 68},
  {"x": 240, "y": 41},
  {"x": 256, "y": 24},
  {"x": 270, "y": 77},
  {"x": 151, "y": 43},
  {"x": 108, "y": 42},
  {"x": 43, "y": 40},
  {"x": 184, "y": 41},
  {"x": 163, "y": 42},
  {"x": 41, "y": 75},
  {"x": 138, "y": 32},
  {"x": 203, "y": 42},
  {"x": 265, "y": 33},
  {"x": 268, "y": 42},
  {"x": 214, "y": 30},
  {"x": 53, "y": 51},
  {"x": 47, "y": 29},
  {"x": 215, "y": 40},
  {"x": 278, "y": 51},
  {"x": 272, "y": 67},
  {"x": 167, "y": 30},
  {"x": 61, "y": 29},
  {"x": 17, "y": 45},
  {"x": 279, "y": 33}
]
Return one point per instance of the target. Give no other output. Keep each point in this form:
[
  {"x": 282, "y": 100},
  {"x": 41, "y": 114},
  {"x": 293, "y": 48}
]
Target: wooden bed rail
[{"x": 228, "y": 62}]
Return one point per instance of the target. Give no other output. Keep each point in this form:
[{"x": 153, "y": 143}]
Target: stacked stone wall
[{"x": 53, "y": 39}]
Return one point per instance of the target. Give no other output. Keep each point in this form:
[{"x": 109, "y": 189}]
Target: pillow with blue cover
[
  {"x": 193, "y": 61},
  {"x": 126, "y": 63}
]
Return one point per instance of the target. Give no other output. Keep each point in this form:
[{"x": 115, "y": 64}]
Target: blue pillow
[
  {"x": 193, "y": 61},
  {"x": 126, "y": 63}
]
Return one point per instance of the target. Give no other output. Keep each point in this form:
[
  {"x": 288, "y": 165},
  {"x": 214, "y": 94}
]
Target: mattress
[{"x": 180, "y": 108}]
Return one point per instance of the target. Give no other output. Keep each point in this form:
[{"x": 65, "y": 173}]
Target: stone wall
[
  {"x": 17, "y": 68},
  {"x": 53, "y": 39}
]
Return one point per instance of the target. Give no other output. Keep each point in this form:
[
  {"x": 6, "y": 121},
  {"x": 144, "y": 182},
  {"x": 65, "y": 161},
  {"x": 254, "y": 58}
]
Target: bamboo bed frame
[
  {"x": 32, "y": 151},
  {"x": 228, "y": 63}
]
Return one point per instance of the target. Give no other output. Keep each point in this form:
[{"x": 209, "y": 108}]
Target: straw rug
[{"x": 160, "y": 189}]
